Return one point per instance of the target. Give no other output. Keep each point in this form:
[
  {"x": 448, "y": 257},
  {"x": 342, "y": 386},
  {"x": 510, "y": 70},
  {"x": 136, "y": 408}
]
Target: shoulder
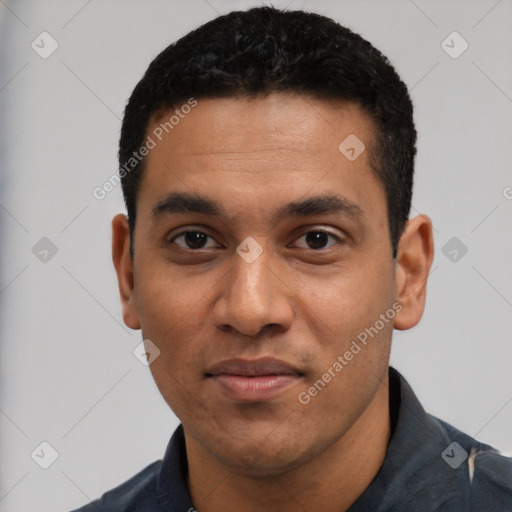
[
  {"x": 488, "y": 472},
  {"x": 432, "y": 465},
  {"x": 137, "y": 493},
  {"x": 491, "y": 480}
]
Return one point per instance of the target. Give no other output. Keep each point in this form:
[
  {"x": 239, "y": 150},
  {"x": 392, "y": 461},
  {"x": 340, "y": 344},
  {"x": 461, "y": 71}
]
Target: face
[{"x": 257, "y": 296}]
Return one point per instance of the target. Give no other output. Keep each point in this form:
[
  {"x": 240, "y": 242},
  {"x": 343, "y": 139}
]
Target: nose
[{"x": 254, "y": 297}]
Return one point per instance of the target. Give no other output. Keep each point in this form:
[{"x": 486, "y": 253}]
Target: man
[{"x": 267, "y": 165}]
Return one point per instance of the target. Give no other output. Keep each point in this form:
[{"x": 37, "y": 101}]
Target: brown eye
[
  {"x": 192, "y": 239},
  {"x": 318, "y": 239}
]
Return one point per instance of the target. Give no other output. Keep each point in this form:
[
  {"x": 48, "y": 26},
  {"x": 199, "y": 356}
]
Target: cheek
[
  {"x": 166, "y": 297},
  {"x": 176, "y": 371},
  {"x": 352, "y": 346},
  {"x": 173, "y": 314},
  {"x": 339, "y": 307}
]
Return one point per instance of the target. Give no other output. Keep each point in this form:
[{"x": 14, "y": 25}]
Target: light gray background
[{"x": 68, "y": 374}]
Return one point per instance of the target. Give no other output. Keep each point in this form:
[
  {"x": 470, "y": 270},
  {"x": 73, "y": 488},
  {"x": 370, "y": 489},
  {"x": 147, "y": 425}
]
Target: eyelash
[{"x": 318, "y": 230}]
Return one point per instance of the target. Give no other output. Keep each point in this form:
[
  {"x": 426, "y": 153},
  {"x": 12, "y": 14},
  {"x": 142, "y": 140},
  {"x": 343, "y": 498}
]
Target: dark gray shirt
[{"x": 429, "y": 466}]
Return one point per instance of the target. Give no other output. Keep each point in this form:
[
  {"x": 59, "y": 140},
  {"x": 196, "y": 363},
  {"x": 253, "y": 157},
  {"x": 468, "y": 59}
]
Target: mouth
[{"x": 253, "y": 381}]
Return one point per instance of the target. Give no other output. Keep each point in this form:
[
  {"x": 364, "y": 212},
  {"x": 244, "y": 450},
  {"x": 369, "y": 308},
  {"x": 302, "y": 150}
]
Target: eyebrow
[{"x": 183, "y": 202}]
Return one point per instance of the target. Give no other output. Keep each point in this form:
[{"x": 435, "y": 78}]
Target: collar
[{"x": 413, "y": 471}]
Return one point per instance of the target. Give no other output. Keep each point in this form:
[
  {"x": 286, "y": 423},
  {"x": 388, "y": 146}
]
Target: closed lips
[
  {"x": 256, "y": 368},
  {"x": 260, "y": 380}
]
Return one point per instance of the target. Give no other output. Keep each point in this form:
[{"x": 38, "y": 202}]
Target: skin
[{"x": 295, "y": 302}]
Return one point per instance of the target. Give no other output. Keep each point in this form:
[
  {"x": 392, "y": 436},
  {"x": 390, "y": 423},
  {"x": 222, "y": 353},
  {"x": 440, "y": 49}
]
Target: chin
[{"x": 262, "y": 455}]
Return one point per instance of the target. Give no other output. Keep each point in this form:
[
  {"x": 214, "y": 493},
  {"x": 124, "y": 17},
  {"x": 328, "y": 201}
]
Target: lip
[{"x": 253, "y": 381}]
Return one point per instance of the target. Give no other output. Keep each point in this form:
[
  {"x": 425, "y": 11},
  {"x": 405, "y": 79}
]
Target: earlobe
[
  {"x": 414, "y": 260},
  {"x": 124, "y": 269}
]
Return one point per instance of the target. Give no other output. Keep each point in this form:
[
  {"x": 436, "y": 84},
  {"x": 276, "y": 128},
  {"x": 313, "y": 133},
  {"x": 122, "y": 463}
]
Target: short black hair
[{"x": 264, "y": 50}]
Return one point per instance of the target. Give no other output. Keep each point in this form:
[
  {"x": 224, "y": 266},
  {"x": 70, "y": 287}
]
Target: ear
[
  {"x": 124, "y": 269},
  {"x": 414, "y": 259}
]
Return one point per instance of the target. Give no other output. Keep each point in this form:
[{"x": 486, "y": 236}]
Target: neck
[{"x": 330, "y": 482}]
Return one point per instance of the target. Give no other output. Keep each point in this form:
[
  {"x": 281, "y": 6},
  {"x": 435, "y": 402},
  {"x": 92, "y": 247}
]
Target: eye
[
  {"x": 195, "y": 240},
  {"x": 192, "y": 240},
  {"x": 318, "y": 238}
]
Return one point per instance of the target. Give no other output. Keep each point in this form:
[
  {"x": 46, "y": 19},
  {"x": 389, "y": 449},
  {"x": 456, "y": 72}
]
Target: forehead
[
  {"x": 300, "y": 123},
  {"x": 260, "y": 152}
]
